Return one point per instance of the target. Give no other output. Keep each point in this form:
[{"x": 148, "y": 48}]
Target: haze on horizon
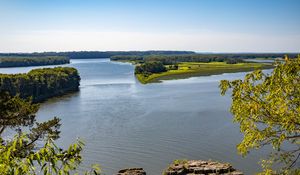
[{"x": 205, "y": 26}]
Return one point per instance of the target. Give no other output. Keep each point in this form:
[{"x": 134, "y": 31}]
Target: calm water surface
[{"x": 126, "y": 124}]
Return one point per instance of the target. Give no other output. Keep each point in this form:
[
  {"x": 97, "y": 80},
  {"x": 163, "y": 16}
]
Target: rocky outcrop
[
  {"x": 191, "y": 167},
  {"x": 194, "y": 167},
  {"x": 132, "y": 171}
]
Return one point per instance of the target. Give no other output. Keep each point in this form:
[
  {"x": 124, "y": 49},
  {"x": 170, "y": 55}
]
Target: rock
[
  {"x": 132, "y": 171},
  {"x": 200, "y": 167}
]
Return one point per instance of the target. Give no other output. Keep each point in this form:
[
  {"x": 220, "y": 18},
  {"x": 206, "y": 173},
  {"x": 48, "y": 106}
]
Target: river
[{"x": 127, "y": 124}]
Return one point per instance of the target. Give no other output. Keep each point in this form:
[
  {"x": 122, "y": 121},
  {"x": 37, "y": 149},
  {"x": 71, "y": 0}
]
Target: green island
[
  {"x": 41, "y": 84},
  {"x": 154, "y": 68},
  {"x": 24, "y": 61},
  {"x": 190, "y": 69}
]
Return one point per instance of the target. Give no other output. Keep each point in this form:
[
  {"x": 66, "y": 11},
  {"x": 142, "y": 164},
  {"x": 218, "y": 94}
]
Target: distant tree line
[
  {"x": 136, "y": 58},
  {"x": 95, "y": 54},
  {"x": 23, "y": 61},
  {"x": 171, "y": 59},
  {"x": 41, "y": 84},
  {"x": 150, "y": 67},
  {"x": 113, "y": 54}
]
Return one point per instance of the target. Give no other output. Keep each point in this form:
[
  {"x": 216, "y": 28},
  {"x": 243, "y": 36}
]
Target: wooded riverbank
[{"x": 41, "y": 84}]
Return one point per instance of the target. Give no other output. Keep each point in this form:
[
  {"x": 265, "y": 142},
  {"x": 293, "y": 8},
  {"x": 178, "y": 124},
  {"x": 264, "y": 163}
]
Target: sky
[{"x": 109, "y": 25}]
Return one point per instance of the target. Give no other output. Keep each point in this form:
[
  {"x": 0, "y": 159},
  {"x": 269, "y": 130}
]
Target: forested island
[
  {"x": 24, "y": 61},
  {"x": 41, "y": 84}
]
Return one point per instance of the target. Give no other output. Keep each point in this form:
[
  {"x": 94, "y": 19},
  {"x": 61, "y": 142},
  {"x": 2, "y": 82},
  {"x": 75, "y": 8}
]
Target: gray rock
[
  {"x": 132, "y": 171},
  {"x": 200, "y": 167}
]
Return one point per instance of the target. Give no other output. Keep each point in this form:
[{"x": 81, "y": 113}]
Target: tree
[
  {"x": 34, "y": 152},
  {"x": 150, "y": 67},
  {"x": 267, "y": 108}
]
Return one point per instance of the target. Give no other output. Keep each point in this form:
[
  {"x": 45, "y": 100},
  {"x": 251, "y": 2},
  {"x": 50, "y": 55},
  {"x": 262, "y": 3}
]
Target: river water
[{"x": 127, "y": 124}]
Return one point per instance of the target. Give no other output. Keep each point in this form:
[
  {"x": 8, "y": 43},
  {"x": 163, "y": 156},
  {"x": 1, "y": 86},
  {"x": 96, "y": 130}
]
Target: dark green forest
[
  {"x": 171, "y": 59},
  {"x": 149, "y": 68},
  {"x": 95, "y": 54},
  {"x": 23, "y": 61},
  {"x": 41, "y": 84}
]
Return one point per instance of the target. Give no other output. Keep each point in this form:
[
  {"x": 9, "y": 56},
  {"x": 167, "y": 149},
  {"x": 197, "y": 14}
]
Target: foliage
[
  {"x": 149, "y": 68},
  {"x": 173, "y": 59},
  {"x": 267, "y": 107},
  {"x": 18, "y": 61},
  {"x": 35, "y": 152},
  {"x": 136, "y": 58},
  {"x": 173, "y": 67},
  {"x": 15, "y": 112},
  {"x": 41, "y": 84},
  {"x": 17, "y": 115},
  {"x": 48, "y": 159},
  {"x": 231, "y": 61}
]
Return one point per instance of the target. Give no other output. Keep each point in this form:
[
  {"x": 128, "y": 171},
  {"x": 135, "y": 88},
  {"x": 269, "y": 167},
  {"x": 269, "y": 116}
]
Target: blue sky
[{"x": 198, "y": 25}]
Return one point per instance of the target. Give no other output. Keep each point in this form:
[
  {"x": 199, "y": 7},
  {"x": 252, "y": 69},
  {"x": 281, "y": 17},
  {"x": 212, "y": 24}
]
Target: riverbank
[{"x": 190, "y": 69}]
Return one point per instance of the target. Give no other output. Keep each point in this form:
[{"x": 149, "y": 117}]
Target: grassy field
[{"x": 190, "y": 69}]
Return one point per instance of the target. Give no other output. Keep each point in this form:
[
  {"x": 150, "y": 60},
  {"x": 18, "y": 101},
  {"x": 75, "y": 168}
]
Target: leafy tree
[
  {"x": 150, "y": 67},
  {"x": 34, "y": 152},
  {"x": 15, "y": 113},
  {"x": 267, "y": 108}
]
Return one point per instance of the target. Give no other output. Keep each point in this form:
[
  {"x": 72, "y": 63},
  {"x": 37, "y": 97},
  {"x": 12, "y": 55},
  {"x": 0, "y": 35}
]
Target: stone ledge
[
  {"x": 189, "y": 167},
  {"x": 194, "y": 167},
  {"x": 132, "y": 171}
]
